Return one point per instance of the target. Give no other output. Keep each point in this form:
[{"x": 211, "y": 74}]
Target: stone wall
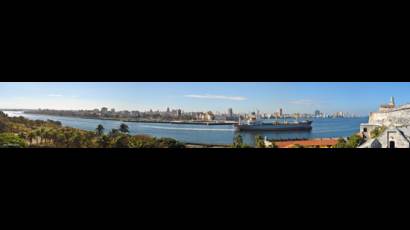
[{"x": 397, "y": 117}]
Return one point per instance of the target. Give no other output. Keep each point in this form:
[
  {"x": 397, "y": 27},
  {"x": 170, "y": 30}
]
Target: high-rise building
[
  {"x": 280, "y": 112},
  {"x": 179, "y": 112},
  {"x": 168, "y": 110},
  {"x": 317, "y": 113},
  {"x": 104, "y": 110},
  {"x": 230, "y": 112}
]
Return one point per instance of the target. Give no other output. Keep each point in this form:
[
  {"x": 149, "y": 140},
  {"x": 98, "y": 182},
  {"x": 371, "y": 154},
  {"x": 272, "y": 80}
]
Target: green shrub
[
  {"x": 10, "y": 140},
  {"x": 377, "y": 132}
]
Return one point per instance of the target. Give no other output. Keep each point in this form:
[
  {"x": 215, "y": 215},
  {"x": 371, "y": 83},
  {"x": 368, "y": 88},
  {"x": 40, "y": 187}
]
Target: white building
[{"x": 392, "y": 137}]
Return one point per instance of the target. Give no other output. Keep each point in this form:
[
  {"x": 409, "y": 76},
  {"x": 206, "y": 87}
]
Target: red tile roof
[{"x": 307, "y": 143}]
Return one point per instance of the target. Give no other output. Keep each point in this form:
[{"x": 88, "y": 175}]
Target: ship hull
[{"x": 281, "y": 127}]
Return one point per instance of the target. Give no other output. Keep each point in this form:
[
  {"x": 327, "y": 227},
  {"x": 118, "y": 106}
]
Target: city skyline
[{"x": 359, "y": 98}]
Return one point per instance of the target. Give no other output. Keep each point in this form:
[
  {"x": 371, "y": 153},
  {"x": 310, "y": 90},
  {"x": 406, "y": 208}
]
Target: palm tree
[
  {"x": 124, "y": 128},
  {"x": 31, "y": 136},
  {"x": 100, "y": 130},
  {"x": 42, "y": 133},
  {"x": 47, "y": 135},
  {"x": 37, "y": 132},
  {"x": 238, "y": 141},
  {"x": 104, "y": 141},
  {"x": 76, "y": 141},
  {"x": 53, "y": 135}
]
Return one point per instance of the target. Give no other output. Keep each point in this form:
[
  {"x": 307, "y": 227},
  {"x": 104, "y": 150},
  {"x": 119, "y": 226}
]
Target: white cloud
[
  {"x": 55, "y": 95},
  {"x": 219, "y": 97}
]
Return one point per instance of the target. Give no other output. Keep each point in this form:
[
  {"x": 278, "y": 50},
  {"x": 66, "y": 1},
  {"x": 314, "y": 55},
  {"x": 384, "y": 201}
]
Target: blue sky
[{"x": 305, "y": 97}]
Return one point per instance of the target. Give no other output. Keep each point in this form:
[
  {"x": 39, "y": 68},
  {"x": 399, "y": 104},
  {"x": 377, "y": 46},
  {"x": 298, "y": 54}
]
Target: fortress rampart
[{"x": 396, "y": 117}]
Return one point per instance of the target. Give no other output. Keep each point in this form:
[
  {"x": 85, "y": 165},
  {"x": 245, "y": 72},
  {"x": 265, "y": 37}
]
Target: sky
[{"x": 359, "y": 98}]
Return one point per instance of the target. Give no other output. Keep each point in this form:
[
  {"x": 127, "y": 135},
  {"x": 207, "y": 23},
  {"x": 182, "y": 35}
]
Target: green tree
[
  {"x": 341, "y": 143},
  {"x": 76, "y": 141},
  {"x": 238, "y": 141},
  {"x": 104, "y": 141},
  {"x": 60, "y": 140},
  {"x": 31, "y": 136},
  {"x": 124, "y": 128},
  {"x": 99, "y": 130},
  {"x": 354, "y": 141},
  {"x": 259, "y": 142},
  {"x": 38, "y": 134}
]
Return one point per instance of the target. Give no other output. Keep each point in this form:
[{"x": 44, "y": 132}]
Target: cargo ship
[{"x": 254, "y": 124}]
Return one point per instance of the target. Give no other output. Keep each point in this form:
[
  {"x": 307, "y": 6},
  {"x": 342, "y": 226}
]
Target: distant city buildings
[{"x": 170, "y": 114}]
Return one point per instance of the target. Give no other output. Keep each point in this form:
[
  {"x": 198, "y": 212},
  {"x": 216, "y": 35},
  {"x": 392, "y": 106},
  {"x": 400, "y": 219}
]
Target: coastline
[{"x": 144, "y": 121}]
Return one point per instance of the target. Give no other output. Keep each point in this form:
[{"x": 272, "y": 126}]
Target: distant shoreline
[{"x": 142, "y": 121}]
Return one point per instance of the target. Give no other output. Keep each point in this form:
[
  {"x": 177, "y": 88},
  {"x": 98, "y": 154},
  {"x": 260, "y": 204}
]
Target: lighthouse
[{"x": 392, "y": 102}]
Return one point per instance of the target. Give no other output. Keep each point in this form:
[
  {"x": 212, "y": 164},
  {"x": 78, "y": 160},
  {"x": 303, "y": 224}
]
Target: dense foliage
[
  {"x": 352, "y": 142},
  {"x": 238, "y": 142},
  {"x": 21, "y": 132},
  {"x": 10, "y": 140}
]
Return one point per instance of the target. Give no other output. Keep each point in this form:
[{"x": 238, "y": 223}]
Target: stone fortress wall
[
  {"x": 388, "y": 115},
  {"x": 397, "y": 117}
]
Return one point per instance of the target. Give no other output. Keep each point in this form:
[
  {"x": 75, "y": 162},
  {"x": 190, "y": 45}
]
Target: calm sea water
[{"x": 219, "y": 134}]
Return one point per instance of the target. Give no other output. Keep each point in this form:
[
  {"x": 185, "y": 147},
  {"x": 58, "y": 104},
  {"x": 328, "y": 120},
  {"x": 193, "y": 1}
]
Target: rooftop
[{"x": 306, "y": 143}]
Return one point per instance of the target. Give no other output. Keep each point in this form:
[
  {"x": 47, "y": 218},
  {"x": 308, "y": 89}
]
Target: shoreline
[{"x": 143, "y": 121}]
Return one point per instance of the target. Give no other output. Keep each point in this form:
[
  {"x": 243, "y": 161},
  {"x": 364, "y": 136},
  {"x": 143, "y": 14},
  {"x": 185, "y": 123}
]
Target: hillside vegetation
[{"x": 19, "y": 132}]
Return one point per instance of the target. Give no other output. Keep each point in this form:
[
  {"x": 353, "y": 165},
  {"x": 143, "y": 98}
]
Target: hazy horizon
[{"x": 359, "y": 98}]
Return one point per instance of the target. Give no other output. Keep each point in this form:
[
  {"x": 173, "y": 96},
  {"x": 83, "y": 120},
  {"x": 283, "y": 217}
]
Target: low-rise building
[{"x": 392, "y": 137}]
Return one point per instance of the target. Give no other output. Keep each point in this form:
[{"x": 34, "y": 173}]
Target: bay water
[{"x": 212, "y": 134}]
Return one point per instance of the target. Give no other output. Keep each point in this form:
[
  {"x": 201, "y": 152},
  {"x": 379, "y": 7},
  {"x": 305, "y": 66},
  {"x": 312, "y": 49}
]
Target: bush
[
  {"x": 10, "y": 140},
  {"x": 122, "y": 142},
  {"x": 377, "y": 132},
  {"x": 169, "y": 143},
  {"x": 352, "y": 142}
]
